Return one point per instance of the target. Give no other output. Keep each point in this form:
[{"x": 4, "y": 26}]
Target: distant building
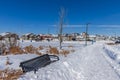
[
  {"x": 84, "y": 34},
  {"x": 92, "y": 37},
  {"x": 101, "y": 37},
  {"x": 9, "y": 35},
  {"x": 28, "y": 36}
]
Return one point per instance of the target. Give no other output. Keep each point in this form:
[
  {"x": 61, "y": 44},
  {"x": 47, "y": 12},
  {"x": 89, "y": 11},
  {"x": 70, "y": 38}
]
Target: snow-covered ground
[{"x": 94, "y": 62}]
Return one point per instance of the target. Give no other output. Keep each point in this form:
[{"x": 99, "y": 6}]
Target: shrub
[
  {"x": 64, "y": 52},
  {"x": 40, "y": 48},
  {"x": 10, "y": 74},
  {"x": 15, "y": 50},
  {"x": 53, "y": 50},
  {"x": 31, "y": 49}
]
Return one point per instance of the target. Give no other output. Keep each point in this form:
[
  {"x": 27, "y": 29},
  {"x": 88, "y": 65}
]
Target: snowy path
[
  {"x": 95, "y": 66},
  {"x": 89, "y": 63}
]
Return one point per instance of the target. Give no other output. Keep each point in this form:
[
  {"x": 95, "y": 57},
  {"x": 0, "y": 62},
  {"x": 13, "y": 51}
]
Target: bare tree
[
  {"x": 61, "y": 26},
  {"x": 86, "y": 37}
]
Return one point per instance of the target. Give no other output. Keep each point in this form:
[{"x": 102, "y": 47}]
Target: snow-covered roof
[
  {"x": 28, "y": 34},
  {"x": 79, "y": 36},
  {"x": 54, "y": 35},
  {"x": 92, "y": 35},
  {"x": 5, "y": 33}
]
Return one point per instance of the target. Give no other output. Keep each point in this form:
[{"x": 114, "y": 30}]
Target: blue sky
[{"x": 39, "y": 16}]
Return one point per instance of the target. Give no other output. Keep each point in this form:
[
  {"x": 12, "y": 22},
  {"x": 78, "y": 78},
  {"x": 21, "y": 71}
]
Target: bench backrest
[{"x": 36, "y": 60}]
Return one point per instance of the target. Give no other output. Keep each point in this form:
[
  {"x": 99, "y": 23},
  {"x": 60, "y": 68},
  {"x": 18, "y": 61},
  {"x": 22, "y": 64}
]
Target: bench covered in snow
[{"x": 38, "y": 62}]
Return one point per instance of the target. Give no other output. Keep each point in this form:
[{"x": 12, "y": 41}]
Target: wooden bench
[{"x": 38, "y": 62}]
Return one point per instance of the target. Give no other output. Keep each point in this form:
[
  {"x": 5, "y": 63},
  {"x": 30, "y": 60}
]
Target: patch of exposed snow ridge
[{"x": 85, "y": 64}]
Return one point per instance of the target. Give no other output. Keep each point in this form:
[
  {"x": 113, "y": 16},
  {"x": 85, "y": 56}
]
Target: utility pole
[
  {"x": 61, "y": 26},
  {"x": 86, "y": 37}
]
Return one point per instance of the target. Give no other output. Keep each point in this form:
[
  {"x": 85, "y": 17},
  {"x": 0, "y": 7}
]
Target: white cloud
[
  {"x": 94, "y": 26},
  {"x": 107, "y": 26},
  {"x": 72, "y": 26}
]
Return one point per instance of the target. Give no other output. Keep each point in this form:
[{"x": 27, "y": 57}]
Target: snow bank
[{"x": 112, "y": 55}]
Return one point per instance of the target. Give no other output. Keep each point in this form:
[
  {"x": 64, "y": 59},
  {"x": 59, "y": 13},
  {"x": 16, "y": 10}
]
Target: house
[
  {"x": 28, "y": 36},
  {"x": 7, "y": 40},
  {"x": 47, "y": 37},
  {"x": 10, "y": 38},
  {"x": 55, "y": 37},
  {"x": 9, "y": 35},
  {"x": 101, "y": 37},
  {"x": 92, "y": 37}
]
